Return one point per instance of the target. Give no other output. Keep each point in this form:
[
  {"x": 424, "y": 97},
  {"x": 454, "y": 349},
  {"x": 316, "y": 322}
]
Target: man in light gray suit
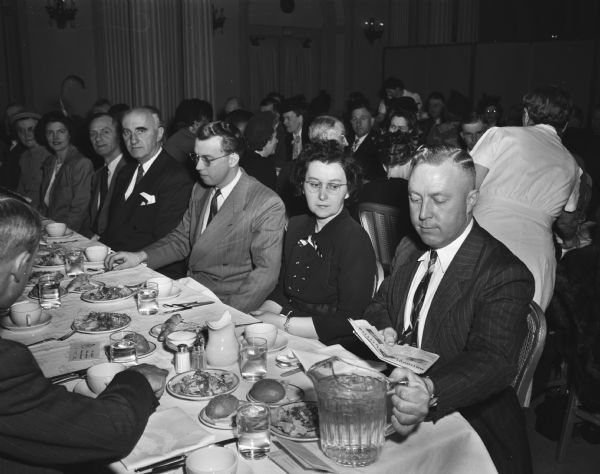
[{"x": 232, "y": 231}]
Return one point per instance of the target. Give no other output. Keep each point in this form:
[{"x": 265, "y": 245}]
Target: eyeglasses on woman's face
[{"x": 314, "y": 186}]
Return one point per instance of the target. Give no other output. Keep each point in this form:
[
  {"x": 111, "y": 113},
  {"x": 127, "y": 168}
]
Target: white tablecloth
[{"x": 449, "y": 446}]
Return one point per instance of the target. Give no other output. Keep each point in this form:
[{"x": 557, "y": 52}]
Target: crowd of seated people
[{"x": 261, "y": 209}]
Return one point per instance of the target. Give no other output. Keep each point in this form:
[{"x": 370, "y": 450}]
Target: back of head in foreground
[{"x": 20, "y": 233}]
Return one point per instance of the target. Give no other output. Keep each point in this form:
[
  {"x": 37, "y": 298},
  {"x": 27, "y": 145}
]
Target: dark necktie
[
  {"x": 213, "y": 206},
  {"x": 140, "y": 174},
  {"x": 410, "y": 335},
  {"x": 103, "y": 186}
]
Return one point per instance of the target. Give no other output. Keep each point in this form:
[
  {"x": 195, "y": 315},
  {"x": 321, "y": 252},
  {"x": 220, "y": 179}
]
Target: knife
[
  {"x": 76, "y": 374},
  {"x": 176, "y": 310}
]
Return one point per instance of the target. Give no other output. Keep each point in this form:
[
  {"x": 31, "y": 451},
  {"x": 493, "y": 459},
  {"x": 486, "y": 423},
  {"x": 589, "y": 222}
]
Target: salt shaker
[
  {"x": 197, "y": 355},
  {"x": 182, "y": 359}
]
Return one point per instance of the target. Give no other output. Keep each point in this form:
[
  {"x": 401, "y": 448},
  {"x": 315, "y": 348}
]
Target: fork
[{"x": 61, "y": 338}]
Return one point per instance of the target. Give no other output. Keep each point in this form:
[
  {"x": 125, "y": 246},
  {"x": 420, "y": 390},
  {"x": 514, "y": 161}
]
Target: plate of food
[
  {"x": 82, "y": 283},
  {"x": 107, "y": 294},
  {"x": 36, "y": 275},
  {"x": 298, "y": 421},
  {"x": 101, "y": 322},
  {"x": 220, "y": 412},
  {"x": 174, "y": 323},
  {"x": 143, "y": 347},
  {"x": 275, "y": 392},
  {"x": 51, "y": 259},
  {"x": 202, "y": 384}
]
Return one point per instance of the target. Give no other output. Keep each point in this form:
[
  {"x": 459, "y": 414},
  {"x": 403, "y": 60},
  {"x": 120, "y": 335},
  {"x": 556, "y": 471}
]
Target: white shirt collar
[
  {"x": 446, "y": 254},
  {"x": 112, "y": 166},
  {"x": 226, "y": 190},
  {"x": 146, "y": 166}
]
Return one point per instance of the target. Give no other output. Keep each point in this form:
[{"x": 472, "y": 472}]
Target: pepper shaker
[{"x": 197, "y": 355}]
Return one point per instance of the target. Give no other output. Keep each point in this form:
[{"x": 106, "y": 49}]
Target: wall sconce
[
  {"x": 61, "y": 11},
  {"x": 373, "y": 29},
  {"x": 218, "y": 19}
]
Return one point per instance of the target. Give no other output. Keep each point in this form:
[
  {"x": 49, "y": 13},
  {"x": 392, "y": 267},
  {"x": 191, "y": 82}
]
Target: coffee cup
[
  {"x": 96, "y": 253},
  {"x": 56, "y": 229},
  {"x": 212, "y": 460},
  {"x": 99, "y": 376},
  {"x": 265, "y": 330},
  {"x": 25, "y": 313},
  {"x": 165, "y": 285}
]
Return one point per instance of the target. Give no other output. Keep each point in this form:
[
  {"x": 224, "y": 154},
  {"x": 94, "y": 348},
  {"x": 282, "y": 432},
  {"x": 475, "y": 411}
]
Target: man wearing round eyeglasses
[
  {"x": 232, "y": 231},
  {"x": 150, "y": 196}
]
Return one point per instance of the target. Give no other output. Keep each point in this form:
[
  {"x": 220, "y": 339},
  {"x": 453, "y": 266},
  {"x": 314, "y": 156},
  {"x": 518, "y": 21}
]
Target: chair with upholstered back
[
  {"x": 381, "y": 223},
  {"x": 530, "y": 354}
]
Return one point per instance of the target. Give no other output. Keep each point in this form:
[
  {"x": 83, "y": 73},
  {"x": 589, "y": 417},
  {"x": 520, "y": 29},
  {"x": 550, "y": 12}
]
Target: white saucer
[
  {"x": 175, "y": 292},
  {"x": 8, "y": 324},
  {"x": 82, "y": 389},
  {"x": 66, "y": 235}
]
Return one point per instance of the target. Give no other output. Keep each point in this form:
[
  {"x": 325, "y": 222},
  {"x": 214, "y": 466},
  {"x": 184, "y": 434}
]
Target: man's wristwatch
[{"x": 433, "y": 398}]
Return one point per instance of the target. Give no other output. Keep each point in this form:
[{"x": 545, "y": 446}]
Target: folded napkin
[
  {"x": 308, "y": 359},
  {"x": 169, "y": 433},
  {"x": 198, "y": 287}
]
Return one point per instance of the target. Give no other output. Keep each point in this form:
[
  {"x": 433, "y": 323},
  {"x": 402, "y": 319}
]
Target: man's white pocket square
[{"x": 148, "y": 199}]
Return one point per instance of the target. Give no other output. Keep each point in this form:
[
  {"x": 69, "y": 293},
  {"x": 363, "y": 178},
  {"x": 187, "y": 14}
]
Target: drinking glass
[
  {"x": 253, "y": 358},
  {"x": 49, "y": 291},
  {"x": 122, "y": 347},
  {"x": 254, "y": 438},
  {"x": 147, "y": 298},
  {"x": 74, "y": 262}
]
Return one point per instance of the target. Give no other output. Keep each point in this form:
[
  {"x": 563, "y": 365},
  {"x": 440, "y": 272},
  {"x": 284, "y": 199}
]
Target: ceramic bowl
[
  {"x": 96, "y": 253},
  {"x": 212, "y": 460},
  {"x": 26, "y": 313},
  {"x": 99, "y": 376},
  {"x": 56, "y": 229},
  {"x": 180, "y": 337},
  {"x": 165, "y": 285}
]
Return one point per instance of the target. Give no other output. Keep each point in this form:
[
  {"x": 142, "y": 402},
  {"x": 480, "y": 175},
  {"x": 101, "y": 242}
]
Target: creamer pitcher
[{"x": 222, "y": 348}]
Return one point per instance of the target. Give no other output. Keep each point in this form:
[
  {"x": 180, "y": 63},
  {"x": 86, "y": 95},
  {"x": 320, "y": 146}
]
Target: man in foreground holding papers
[
  {"x": 464, "y": 296},
  {"x": 44, "y": 428}
]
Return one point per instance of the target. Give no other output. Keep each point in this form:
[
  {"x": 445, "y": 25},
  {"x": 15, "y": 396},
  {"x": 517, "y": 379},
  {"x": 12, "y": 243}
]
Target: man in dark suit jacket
[
  {"x": 364, "y": 145},
  {"x": 43, "y": 427},
  {"x": 232, "y": 231},
  {"x": 106, "y": 141},
  {"x": 150, "y": 199},
  {"x": 472, "y": 312}
]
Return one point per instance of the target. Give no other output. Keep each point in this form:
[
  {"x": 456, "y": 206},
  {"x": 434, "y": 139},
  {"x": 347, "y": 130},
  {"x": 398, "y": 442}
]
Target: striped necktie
[
  {"x": 213, "y": 206},
  {"x": 410, "y": 334}
]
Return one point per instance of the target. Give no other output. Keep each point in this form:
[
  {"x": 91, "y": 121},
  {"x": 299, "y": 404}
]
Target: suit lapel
[
  {"x": 404, "y": 273},
  {"x": 453, "y": 285},
  {"x": 225, "y": 219}
]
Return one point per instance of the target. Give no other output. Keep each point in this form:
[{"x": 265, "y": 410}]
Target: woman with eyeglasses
[{"x": 328, "y": 269}]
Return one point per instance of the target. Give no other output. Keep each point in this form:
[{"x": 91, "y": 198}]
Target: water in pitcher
[{"x": 352, "y": 411}]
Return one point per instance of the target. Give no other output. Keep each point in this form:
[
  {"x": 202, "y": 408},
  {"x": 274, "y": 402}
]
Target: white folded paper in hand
[
  {"x": 168, "y": 433},
  {"x": 418, "y": 360}
]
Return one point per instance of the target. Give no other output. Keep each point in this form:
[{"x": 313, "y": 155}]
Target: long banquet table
[{"x": 449, "y": 446}]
